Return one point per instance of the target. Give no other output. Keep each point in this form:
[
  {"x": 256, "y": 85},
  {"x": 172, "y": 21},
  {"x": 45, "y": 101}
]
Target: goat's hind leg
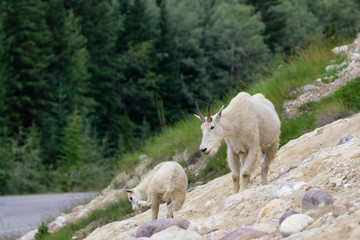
[
  {"x": 170, "y": 209},
  {"x": 268, "y": 158}
]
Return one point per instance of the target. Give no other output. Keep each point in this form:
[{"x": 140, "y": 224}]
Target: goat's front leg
[
  {"x": 247, "y": 167},
  {"x": 234, "y": 164},
  {"x": 155, "y": 207}
]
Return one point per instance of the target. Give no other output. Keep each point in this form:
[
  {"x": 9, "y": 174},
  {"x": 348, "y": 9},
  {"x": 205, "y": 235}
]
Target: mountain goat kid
[
  {"x": 167, "y": 182},
  {"x": 249, "y": 125}
]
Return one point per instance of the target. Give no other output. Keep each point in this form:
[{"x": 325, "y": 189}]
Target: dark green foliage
[
  {"x": 274, "y": 19},
  {"x": 82, "y": 82},
  {"x": 29, "y": 54},
  {"x": 23, "y": 169},
  {"x": 350, "y": 95},
  {"x": 42, "y": 232},
  {"x": 70, "y": 70},
  {"x": 336, "y": 18}
]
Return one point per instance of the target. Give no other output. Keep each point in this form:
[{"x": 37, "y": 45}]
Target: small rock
[
  {"x": 340, "y": 49},
  {"x": 330, "y": 68},
  {"x": 295, "y": 223},
  {"x": 208, "y": 203},
  {"x": 344, "y": 140},
  {"x": 318, "y": 80},
  {"x": 286, "y": 189},
  {"x": 355, "y": 56},
  {"x": 175, "y": 233},
  {"x": 215, "y": 234},
  {"x": 244, "y": 233},
  {"x": 192, "y": 189},
  {"x": 287, "y": 214},
  {"x": 149, "y": 228},
  {"x": 268, "y": 208},
  {"x": 29, "y": 236},
  {"x": 313, "y": 198},
  {"x": 336, "y": 182},
  {"x": 340, "y": 207},
  {"x": 310, "y": 87}
]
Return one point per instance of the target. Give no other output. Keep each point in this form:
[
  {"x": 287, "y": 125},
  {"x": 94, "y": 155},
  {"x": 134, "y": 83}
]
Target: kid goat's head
[
  {"x": 212, "y": 131},
  {"x": 134, "y": 197}
]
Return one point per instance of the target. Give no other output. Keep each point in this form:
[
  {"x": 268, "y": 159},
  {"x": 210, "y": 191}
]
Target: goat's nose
[{"x": 203, "y": 149}]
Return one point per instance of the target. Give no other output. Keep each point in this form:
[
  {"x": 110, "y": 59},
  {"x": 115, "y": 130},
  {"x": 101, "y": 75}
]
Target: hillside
[
  {"x": 327, "y": 159},
  {"x": 317, "y": 159}
]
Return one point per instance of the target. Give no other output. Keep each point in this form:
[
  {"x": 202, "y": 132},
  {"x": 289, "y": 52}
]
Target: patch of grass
[
  {"x": 171, "y": 141},
  {"x": 294, "y": 128},
  {"x": 344, "y": 102},
  {"x": 302, "y": 69},
  {"x": 111, "y": 212}
]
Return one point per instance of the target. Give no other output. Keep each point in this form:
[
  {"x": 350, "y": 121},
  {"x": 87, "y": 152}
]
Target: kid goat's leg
[{"x": 155, "y": 207}]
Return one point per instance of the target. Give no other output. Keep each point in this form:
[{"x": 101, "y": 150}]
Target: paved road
[{"x": 22, "y": 213}]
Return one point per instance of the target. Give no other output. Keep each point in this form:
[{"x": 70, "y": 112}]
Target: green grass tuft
[{"x": 111, "y": 212}]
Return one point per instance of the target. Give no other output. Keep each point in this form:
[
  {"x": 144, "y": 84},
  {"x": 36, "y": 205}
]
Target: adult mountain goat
[
  {"x": 167, "y": 182},
  {"x": 249, "y": 125}
]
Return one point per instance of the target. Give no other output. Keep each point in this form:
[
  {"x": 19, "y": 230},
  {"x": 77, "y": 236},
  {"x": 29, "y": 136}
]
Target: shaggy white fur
[
  {"x": 166, "y": 182},
  {"x": 249, "y": 125}
]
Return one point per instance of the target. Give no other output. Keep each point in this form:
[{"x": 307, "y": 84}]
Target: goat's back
[
  {"x": 169, "y": 176},
  {"x": 256, "y": 112}
]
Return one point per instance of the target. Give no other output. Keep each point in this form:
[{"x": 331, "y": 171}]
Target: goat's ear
[
  {"x": 218, "y": 115},
  {"x": 129, "y": 190},
  {"x": 198, "y": 117}
]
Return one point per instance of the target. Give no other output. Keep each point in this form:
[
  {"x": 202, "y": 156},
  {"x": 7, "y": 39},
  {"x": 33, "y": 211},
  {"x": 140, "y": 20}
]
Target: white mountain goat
[
  {"x": 249, "y": 125},
  {"x": 166, "y": 182}
]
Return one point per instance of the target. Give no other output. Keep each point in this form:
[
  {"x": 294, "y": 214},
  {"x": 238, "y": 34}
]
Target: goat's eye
[
  {"x": 130, "y": 198},
  {"x": 212, "y": 127}
]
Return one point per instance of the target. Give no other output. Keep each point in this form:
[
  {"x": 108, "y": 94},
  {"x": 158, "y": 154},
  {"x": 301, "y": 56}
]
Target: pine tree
[
  {"x": 4, "y": 79},
  {"x": 139, "y": 82},
  {"x": 100, "y": 26},
  {"x": 72, "y": 154},
  {"x": 27, "y": 173},
  {"x": 274, "y": 20},
  {"x": 29, "y": 53},
  {"x": 70, "y": 68}
]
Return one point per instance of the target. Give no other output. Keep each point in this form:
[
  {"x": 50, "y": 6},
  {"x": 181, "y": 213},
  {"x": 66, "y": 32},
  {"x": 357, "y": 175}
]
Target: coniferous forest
[{"x": 83, "y": 81}]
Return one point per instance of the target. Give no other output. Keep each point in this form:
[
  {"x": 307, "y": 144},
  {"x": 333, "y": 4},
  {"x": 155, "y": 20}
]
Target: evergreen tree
[
  {"x": 4, "y": 79},
  {"x": 26, "y": 173},
  {"x": 189, "y": 74},
  {"x": 70, "y": 68},
  {"x": 242, "y": 51},
  {"x": 274, "y": 20},
  {"x": 336, "y": 17},
  {"x": 72, "y": 154},
  {"x": 6, "y": 166},
  {"x": 100, "y": 26},
  {"x": 137, "y": 63},
  {"x": 300, "y": 25},
  {"x": 29, "y": 53}
]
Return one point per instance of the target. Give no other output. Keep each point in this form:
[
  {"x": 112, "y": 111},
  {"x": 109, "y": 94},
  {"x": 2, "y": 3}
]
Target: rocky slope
[{"x": 327, "y": 159}]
